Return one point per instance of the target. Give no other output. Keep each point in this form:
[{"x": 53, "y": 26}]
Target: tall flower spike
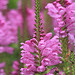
[{"x": 41, "y": 51}]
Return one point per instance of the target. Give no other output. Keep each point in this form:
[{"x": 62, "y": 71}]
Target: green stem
[
  {"x": 38, "y": 24},
  {"x": 19, "y": 50},
  {"x": 73, "y": 63}
]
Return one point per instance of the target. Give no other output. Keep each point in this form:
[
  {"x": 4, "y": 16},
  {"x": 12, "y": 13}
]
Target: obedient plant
[
  {"x": 10, "y": 21},
  {"x": 64, "y": 27},
  {"x": 9, "y": 29},
  {"x": 51, "y": 53},
  {"x": 41, "y": 51},
  {"x": 5, "y": 32}
]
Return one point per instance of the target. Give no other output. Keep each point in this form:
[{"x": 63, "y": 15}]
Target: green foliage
[
  {"x": 13, "y": 45},
  {"x": 12, "y": 4},
  {"x": 72, "y": 63},
  {"x": 65, "y": 55},
  {"x": 5, "y": 57}
]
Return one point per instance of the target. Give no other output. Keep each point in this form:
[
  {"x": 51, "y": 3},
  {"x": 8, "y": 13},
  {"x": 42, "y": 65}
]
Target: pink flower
[
  {"x": 6, "y": 49},
  {"x": 68, "y": 2},
  {"x": 30, "y": 67},
  {"x": 24, "y": 71},
  {"x": 2, "y": 72},
  {"x": 16, "y": 68},
  {"x": 41, "y": 68},
  {"x": 14, "y": 73},
  {"x": 19, "y": 4},
  {"x": 61, "y": 73},
  {"x": 3, "y": 4},
  {"x": 70, "y": 21},
  {"x": 16, "y": 65},
  {"x": 56, "y": 11},
  {"x": 15, "y": 18},
  {"x": 26, "y": 61},
  {"x": 52, "y": 10},
  {"x": 45, "y": 62},
  {"x": 7, "y": 31},
  {"x": 2, "y": 64}
]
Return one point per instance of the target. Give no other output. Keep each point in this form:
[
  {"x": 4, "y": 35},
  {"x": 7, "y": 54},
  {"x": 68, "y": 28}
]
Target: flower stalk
[{"x": 38, "y": 25}]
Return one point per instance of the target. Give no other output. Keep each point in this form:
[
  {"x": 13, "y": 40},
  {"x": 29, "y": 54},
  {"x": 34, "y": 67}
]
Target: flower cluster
[
  {"x": 56, "y": 11},
  {"x": 15, "y": 19},
  {"x": 16, "y": 68},
  {"x": 63, "y": 19},
  {"x": 6, "y": 31},
  {"x": 38, "y": 57},
  {"x": 9, "y": 29},
  {"x": 70, "y": 22}
]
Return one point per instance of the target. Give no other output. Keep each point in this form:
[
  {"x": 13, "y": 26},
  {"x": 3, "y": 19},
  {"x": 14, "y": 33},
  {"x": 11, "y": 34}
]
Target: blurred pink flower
[
  {"x": 9, "y": 30},
  {"x": 16, "y": 68},
  {"x": 3, "y": 4},
  {"x": 19, "y": 4},
  {"x": 58, "y": 13},
  {"x": 61, "y": 73},
  {"x": 2, "y": 64},
  {"x": 70, "y": 22},
  {"x": 15, "y": 18},
  {"x": 2, "y": 72}
]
